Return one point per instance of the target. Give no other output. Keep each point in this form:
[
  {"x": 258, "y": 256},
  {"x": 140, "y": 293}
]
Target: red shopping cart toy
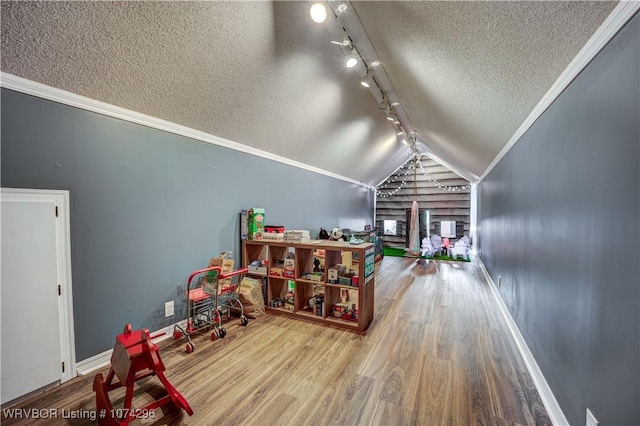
[
  {"x": 134, "y": 357},
  {"x": 207, "y": 297}
]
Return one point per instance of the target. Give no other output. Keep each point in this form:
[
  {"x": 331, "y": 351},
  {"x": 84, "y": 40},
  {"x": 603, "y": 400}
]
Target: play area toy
[
  {"x": 134, "y": 357},
  {"x": 206, "y": 300}
]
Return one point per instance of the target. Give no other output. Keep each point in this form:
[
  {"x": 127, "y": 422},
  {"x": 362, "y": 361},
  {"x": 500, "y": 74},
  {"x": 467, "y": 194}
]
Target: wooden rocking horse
[{"x": 134, "y": 357}]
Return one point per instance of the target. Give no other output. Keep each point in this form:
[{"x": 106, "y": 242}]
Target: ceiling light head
[
  {"x": 352, "y": 61},
  {"x": 318, "y": 13},
  {"x": 367, "y": 80},
  {"x": 342, "y": 8}
]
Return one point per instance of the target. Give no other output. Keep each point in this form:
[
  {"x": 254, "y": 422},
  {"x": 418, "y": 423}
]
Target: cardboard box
[
  {"x": 255, "y": 223},
  {"x": 345, "y": 279},
  {"x": 272, "y": 236},
  {"x": 296, "y": 236},
  {"x": 257, "y": 269},
  {"x": 289, "y": 268},
  {"x": 316, "y": 276},
  {"x": 225, "y": 262}
]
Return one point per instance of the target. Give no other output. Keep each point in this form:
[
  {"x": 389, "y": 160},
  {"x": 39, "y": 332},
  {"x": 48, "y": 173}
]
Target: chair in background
[
  {"x": 426, "y": 248},
  {"x": 460, "y": 248},
  {"x": 436, "y": 242},
  {"x": 446, "y": 246}
]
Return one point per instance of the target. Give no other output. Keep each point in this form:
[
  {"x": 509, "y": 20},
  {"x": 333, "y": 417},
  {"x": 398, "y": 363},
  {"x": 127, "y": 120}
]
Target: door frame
[{"x": 63, "y": 260}]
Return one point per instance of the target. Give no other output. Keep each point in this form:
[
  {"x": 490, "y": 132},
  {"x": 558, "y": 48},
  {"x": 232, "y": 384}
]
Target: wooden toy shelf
[{"x": 307, "y": 257}]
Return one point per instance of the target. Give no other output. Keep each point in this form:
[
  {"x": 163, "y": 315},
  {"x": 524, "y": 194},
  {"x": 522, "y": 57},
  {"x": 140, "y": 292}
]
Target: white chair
[
  {"x": 460, "y": 248},
  {"x": 426, "y": 248},
  {"x": 436, "y": 242}
]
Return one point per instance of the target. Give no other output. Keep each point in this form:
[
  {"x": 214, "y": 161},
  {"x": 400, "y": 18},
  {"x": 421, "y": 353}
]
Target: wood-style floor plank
[{"x": 437, "y": 353}]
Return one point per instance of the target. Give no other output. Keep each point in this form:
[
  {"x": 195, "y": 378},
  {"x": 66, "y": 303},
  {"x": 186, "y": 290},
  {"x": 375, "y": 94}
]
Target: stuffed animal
[
  {"x": 323, "y": 234},
  {"x": 336, "y": 234}
]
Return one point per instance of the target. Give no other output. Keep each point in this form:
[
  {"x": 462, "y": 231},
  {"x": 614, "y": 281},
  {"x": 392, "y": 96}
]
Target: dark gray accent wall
[
  {"x": 560, "y": 224},
  {"x": 149, "y": 207}
]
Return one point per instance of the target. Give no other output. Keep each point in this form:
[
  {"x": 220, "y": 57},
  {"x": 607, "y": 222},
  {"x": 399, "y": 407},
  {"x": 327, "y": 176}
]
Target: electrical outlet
[
  {"x": 591, "y": 420},
  {"x": 168, "y": 309}
]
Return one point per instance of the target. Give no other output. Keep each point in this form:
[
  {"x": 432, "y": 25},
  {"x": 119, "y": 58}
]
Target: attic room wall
[
  {"x": 148, "y": 207},
  {"x": 559, "y": 221},
  {"x": 442, "y": 205}
]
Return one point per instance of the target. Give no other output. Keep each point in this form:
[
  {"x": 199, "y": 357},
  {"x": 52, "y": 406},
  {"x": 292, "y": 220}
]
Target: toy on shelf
[{"x": 134, "y": 357}]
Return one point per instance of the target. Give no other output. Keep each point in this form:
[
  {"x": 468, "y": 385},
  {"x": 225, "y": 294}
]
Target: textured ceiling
[{"x": 264, "y": 75}]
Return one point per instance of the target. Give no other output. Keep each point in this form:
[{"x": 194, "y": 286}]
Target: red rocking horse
[{"x": 134, "y": 357}]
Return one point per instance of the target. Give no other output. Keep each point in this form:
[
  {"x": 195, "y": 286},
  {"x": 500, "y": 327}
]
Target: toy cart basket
[{"x": 208, "y": 292}]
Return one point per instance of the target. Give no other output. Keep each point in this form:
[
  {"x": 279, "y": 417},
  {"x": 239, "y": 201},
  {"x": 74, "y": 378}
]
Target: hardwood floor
[{"x": 437, "y": 353}]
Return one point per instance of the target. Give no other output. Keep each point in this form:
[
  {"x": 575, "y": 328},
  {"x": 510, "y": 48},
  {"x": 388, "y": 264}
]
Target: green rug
[{"x": 400, "y": 252}]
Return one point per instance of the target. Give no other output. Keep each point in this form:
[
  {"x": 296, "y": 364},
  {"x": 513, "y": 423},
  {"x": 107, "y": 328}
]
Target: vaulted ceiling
[{"x": 263, "y": 74}]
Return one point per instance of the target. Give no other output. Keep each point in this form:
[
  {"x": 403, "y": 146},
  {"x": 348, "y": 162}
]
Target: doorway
[{"x": 38, "y": 347}]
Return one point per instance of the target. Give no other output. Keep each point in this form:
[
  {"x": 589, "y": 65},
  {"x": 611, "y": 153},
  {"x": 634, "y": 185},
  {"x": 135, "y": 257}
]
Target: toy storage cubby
[
  {"x": 314, "y": 297},
  {"x": 306, "y": 288},
  {"x": 280, "y": 286}
]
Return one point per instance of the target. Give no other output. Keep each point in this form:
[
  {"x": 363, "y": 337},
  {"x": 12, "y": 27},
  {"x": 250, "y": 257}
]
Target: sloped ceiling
[{"x": 467, "y": 74}]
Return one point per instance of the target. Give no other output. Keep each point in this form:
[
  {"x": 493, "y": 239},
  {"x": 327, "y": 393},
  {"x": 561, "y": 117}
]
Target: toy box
[
  {"x": 345, "y": 279},
  {"x": 333, "y": 273},
  {"x": 289, "y": 266},
  {"x": 255, "y": 223},
  {"x": 315, "y": 276},
  {"x": 257, "y": 267},
  {"x": 274, "y": 229},
  {"x": 296, "y": 236},
  {"x": 273, "y": 236}
]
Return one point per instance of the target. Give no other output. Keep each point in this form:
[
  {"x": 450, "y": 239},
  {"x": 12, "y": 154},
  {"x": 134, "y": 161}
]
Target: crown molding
[
  {"x": 619, "y": 16},
  {"x": 29, "y": 87}
]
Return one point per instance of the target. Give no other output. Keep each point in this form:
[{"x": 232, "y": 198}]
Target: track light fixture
[
  {"x": 340, "y": 37},
  {"x": 367, "y": 80},
  {"x": 318, "y": 13}
]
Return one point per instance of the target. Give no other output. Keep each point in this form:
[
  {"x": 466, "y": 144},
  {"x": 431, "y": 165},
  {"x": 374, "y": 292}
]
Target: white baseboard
[
  {"x": 102, "y": 360},
  {"x": 546, "y": 395}
]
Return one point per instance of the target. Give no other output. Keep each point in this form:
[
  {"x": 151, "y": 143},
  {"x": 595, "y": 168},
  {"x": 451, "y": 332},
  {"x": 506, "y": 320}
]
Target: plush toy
[
  {"x": 336, "y": 234},
  {"x": 323, "y": 234}
]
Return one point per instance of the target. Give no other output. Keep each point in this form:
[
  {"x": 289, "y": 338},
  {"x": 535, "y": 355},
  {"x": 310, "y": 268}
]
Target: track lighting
[
  {"x": 318, "y": 13},
  {"x": 354, "y": 59},
  {"x": 367, "y": 80}
]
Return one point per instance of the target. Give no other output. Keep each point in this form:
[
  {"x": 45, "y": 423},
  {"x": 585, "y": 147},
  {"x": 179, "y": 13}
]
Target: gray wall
[
  {"x": 560, "y": 223},
  {"x": 148, "y": 207}
]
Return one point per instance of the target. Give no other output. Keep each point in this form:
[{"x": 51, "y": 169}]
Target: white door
[{"x": 33, "y": 328}]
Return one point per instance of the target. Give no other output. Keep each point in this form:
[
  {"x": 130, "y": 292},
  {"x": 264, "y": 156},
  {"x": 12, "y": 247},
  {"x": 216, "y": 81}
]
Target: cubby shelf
[{"x": 307, "y": 257}]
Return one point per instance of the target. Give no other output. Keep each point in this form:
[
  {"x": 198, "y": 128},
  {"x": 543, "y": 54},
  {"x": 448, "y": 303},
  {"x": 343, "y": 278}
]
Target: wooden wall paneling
[{"x": 442, "y": 204}]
